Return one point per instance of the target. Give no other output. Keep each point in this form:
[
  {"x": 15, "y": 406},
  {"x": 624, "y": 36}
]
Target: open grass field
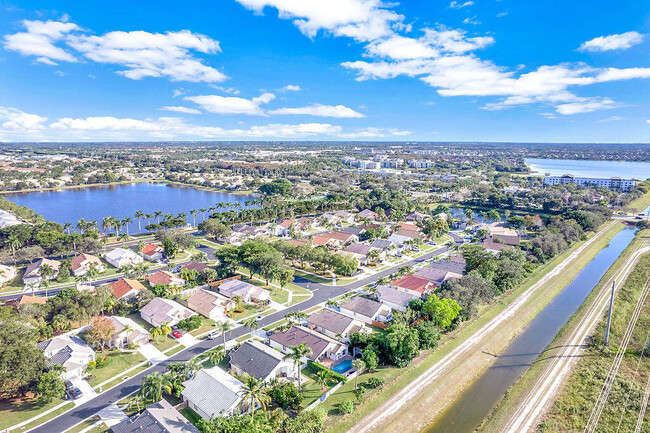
[{"x": 443, "y": 391}]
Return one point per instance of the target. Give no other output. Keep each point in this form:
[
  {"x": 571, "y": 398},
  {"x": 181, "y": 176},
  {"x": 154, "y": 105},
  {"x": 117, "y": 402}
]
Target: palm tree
[
  {"x": 148, "y": 217},
  {"x": 202, "y": 210},
  {"x": 157, "y": 214},
  {"x": 358, "y": 365},
  {"x": 252, "y": 325},
  {"x": 255, "y": 392},
  {"x": 165, "y": 328},
  {"x": 216, "y": 355},
  {"x": 123, "y": 237},
  {"x": 224, "y": 327},
  {"x": 14, "y": 243},
  {"x": 194, "y": 365},
  {"x": 139, "y": 215},
  {"x": 193, "y": 212},
  {"x": 323, "y": 378},
  {"x": 107, "y": 223},
  {"x": 153, "y": 386},
  {"x": 373, "y": 255},
  {"x": 125, "y": 223},
  {"x": 67, "y": 227},
  {"x": 296, "y": 355}
]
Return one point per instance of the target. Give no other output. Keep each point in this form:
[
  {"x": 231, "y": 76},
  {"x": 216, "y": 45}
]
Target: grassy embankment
[
  {"x": 590, "y": 372},
  {"x": 573, "y": 407},
  {"x": 445, "y": 389}
]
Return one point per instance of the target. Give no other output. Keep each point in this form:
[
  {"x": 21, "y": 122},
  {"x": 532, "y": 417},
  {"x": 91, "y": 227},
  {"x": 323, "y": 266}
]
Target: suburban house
[
  {"x": 249, "y": 231},
  {"x": 414, "y": 285},
  {"x": 126, "y": 288},
  {"x": 120, "y": 257},
  {"x": 32, "y": 275},
  {"x": 233, "y": 288},
  {"x": 498, "y": 231},
  {"x": 159, "y": 417},
  {"x": 213, "y": 393},
  {"x": 416, "y": 216},
  {"x": 287, "y": 225},
  {"x": 368, "y": 214},
  {"x": 308, "y": 222},
  {"x": 194, "y": 265},
  {"x": 360, "y": 251},
  {"x": 409, "y": 227},
  {"x": 210, "y": 304},
  {"x": 385, "y": 246},
  {"x": 127, "y": 331},
  {"x": 393, "y": 298},
  {"x": 366, "y": 310},
  {"x": 453, "y": 264},
  {"x": 321, "y": 345},
  {"x": 165, "y": 278},
  {"x": 261, "y": 361},
  {"x": 234, "y": 238},
  {"x": 152, "y": 252},
  {"x": 344, "y": 216},
  {"x": 160, "y": 310},
  {"x": 83, "y": 262},
  {"x": 398, "y": 240},
  {"x": 7, "y": 273},
  {"x": 437, "y": 276},
  {"x": 334, "y": 324},
  {"x": 334, "y": 239},
  {"x": 494, "y": 247},
  {"x": 68, "y": 351},
  {"x": 412, "y": 234},
  {"x": 25, "y": 299}
]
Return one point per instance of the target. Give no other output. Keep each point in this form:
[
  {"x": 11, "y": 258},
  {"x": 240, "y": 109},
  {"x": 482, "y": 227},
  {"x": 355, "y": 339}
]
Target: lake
[
  {"x": 97, "y": 202},
  {"x": 587, "y": 168}
]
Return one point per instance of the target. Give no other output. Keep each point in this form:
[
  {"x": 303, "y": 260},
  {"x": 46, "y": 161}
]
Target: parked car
[
  {"x": 212, "y": 335},
  {"x": 176, "y": 334},
  {"x": 68, "y": 384},
  {"x": 75, "y": 393}
]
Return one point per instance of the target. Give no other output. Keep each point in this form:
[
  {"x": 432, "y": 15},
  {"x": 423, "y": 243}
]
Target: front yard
[
  {"x": 118, "y": 363},
  {"x": 18, "y": 410}
]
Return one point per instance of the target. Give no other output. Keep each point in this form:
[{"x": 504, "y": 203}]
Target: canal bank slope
[
  {"x": 434, "y": 382},
  {"x": 537, "y": 390}
]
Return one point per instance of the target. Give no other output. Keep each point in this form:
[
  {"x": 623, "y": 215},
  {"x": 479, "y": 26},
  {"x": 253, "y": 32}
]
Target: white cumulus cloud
[
  {"x": 612, "y": 42},
  {"x": 291, "y": 88},
  {"x": 340, "y": 111},
  {"x": 180, "y": 109},
  {"x": 140, "y": 54},
  {"x": 232, "y": 104},
  {"x": 459, "y": 5}
]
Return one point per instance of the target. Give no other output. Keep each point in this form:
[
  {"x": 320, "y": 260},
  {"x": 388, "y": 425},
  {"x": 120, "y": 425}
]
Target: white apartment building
[{"x": 610, "y": 183}]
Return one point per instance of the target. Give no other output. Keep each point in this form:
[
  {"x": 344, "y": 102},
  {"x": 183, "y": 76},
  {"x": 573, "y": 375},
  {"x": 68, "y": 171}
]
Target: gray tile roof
[
  {"x": 449, "y": 266},
  {"x": 330, "y": 320},
  {"x": 295, "y": 336},
  {"x": 255, "y": 358},
  {"x": 394, "y": 296},
  {"x": 160, "y": 417},
  {"x": 364, "y": 306},
  {"x": 351, "y": 230},
  {"x": 381, "y": 244},
  {"x": 213, "y": 391}
]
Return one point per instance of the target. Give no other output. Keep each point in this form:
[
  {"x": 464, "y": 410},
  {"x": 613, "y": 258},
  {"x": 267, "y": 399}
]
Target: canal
[
  {"x": 469, "y": 411},
  {"x": 120, "y": 201}
]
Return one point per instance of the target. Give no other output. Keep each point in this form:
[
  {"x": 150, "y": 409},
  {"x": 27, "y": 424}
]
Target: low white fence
[{"x": 324, "y": 396}]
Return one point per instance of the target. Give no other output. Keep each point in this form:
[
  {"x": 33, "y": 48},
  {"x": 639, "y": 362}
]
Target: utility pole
[{"x": 609, "y": 317}]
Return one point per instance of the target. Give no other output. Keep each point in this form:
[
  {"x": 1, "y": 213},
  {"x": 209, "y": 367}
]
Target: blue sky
[{"x": 481, "y": 70}]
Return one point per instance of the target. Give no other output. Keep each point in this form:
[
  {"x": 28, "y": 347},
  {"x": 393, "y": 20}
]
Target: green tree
[
  {"x": 296, "y": 355},
  {"x": 358, "y": 365},
  {"x": 153, "y": 386},
  {"x": 371, "y": 359},
  {"x": 255, "y": 392},
  {"x": 49, "y": 386},
  {"x": 441, "y": 311}
]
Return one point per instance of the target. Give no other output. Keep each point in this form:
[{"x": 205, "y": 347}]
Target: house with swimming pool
[{"x": 334, "y": 324}]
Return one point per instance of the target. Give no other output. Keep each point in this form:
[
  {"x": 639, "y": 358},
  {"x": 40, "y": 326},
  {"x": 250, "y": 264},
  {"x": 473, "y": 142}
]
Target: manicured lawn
[
  {"x": 175, "y": 350},
  {"x": 206, "y": 325},
  {"x": 119, "y": 363},
  {"x": 311, "y": 391},
  {"x": 17, "y": 410},
  {"x": 191, "y": 416},
  {"x": 639, "y": 204},
  {"x": 83, "y": 425},
  {"x": 249, "y": 310}
]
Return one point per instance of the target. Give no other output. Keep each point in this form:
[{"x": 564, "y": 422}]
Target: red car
[{"x": 177, "y": 334}]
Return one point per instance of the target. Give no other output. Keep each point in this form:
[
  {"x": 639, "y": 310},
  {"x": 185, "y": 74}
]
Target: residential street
[{"x": 321, "y": 293}]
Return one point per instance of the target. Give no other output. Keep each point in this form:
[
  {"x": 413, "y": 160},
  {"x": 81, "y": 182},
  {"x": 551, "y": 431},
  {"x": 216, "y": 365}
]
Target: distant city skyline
[{"x": 325, "y": 70}]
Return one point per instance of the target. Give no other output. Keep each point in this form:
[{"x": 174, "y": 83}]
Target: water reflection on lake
[{"x": 95, "y": 203}]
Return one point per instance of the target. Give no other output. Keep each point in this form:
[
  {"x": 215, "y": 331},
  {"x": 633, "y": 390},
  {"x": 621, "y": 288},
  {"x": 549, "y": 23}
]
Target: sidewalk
[{"x": 152, "y": 353}]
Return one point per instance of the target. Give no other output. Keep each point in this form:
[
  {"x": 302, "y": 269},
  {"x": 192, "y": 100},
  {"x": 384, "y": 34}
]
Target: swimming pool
[{"x": 343, "y": 366}]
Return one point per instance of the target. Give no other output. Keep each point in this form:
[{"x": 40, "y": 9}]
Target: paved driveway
[{"x": 152, "y": 353}]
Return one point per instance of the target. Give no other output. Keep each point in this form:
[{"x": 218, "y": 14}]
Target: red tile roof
[
  {"x": 413, "y": 283},
  {"x": 123, "y": 286},
  {"x": 151, "y": 249}
]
